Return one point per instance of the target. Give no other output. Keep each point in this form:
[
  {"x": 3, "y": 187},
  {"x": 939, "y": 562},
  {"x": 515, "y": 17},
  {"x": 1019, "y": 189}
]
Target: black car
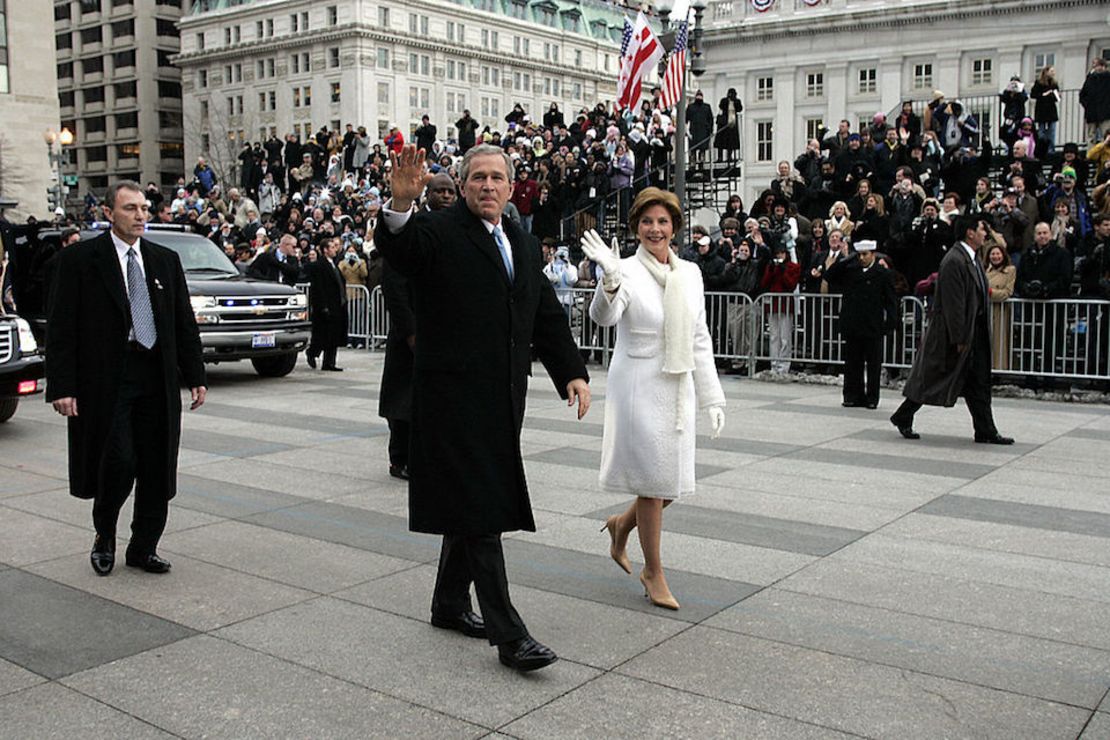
[
  {"x": 239, "y": 318},
  {"x": 21, "y": 364}
]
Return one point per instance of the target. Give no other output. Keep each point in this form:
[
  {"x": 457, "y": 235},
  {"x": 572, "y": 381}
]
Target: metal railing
[
  {"x": 359, "y": 311},
  {"x": 1066, "y": 339}
]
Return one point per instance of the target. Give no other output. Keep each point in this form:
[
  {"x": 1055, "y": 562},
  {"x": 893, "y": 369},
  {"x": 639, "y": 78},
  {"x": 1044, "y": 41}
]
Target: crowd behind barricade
[{"x": 897, "y": 182}]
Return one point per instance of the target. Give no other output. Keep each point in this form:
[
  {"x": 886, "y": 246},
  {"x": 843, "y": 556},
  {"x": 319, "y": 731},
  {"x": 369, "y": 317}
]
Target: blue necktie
[
  {"x": 506, "y": 253},
  {"x": 142, "y": 315}
]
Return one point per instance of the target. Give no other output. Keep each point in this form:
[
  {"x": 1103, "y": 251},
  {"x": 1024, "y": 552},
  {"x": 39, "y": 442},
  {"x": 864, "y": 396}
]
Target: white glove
[
  {"x": 716, "y": 420},
  {"x": 608, "y": 259}
]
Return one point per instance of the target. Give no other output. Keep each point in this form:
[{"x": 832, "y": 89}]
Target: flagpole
[{"x": 680, "y": 156}]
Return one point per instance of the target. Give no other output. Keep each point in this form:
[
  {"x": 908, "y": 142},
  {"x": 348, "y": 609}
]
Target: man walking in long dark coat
[
  {"x": 395, "y": 398},
  {"x": 327, "y": 305},
  {"x": 120, "y": 332},
  {"x": 482, "y": 305},
  {"x": 955, "y": 355}
]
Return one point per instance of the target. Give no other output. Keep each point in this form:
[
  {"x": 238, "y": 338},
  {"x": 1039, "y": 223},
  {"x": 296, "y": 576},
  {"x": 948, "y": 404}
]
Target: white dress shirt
[
  {"x": 396, "y": 220},
  {"x": 121, "y": 254}
]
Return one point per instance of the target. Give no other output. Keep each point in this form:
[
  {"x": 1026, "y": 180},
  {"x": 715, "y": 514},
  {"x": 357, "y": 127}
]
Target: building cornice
[
  {"x": 874, "y": 18},
  {"x": 363, "y": 32}
]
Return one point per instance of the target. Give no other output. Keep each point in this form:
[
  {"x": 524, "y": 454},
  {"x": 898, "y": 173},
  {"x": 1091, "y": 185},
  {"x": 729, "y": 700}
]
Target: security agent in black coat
[
  {"x": 868, "y": 310},
  {"x": 118, "y": 349},
  {"x": 482, "y": 305},
  {"x": 395, "y": 398},
  {"x": 327, "y": 305},
  {"x": 278, "y": 264}
]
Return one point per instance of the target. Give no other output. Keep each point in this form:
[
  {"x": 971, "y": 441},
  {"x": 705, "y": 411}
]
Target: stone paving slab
[
  {"x": 846, "y": 693},
  {"x": 1046, "y": 669},
  {"x": 1098, "y": 728},
  {"x": 309, "y": 564},
  {"x": 1088, "y": 498},
  {"x": 16, "y": 482},
  {"x": 222, "y": 499},
  {"x": 436, "y": 669},
  {"x": 54, "y": 630},
  {"x": 61, "y": 507},
  {"x": 1046, "y": 543},
  {"x": 16, "y": 678},
  {"x": 1052, "y": 518},
  {"x": 229, "y": 445},
  {"x": 1022, "y": 611},
  {"x": 1003, "y": 569},
  {"x": 53, "y": 711},
  {"x": 195, "y": 594},
  {"x": 622, "y": 707},
  {"x": 26, "y": 538},
  {"x": 205, "y": 687}
]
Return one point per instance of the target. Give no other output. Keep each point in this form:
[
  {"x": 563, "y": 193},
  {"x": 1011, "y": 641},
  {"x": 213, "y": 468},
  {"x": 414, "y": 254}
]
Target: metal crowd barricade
[
  {"x": 358, "y": 314},
  {"x": 733, "y": 326},
  {"x": 1062, "y": 338},
  {"x": 379, "y": 319},
  {"x": 588, "y": 334}
]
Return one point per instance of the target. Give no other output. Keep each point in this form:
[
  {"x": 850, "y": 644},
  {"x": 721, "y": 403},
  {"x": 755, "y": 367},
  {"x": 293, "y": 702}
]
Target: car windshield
[{"x": 197, "y": 253}]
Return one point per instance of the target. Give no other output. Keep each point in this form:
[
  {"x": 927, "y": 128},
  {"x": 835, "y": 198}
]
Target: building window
[
  {"x": 922, "y": 76},
  {"x": 813, "y": 125},
  {"x": 200, "y": 41},
  {"x": 202, "y": 78},
  {"x": 167, "y": 89},
  {"x": 868, "y": 81},
  {"x": 815, "y": 84},
  {"x": 383, "y": 58},
  {"x": 126, "y": 120},
  {"x": 93, "y": 95},
  {"x": 383, "y": 17},
  {"x": 335, "y": 90},
  {"x": 578, "y": 59},
  {"x": 383, "y": 93},
  {"x": 204, "y": 113},
  {"x": 1043, "y": 59},
  {"x": 333, "y": 15},
  {"x": 764, "y": 141},
  {"x": 333, "y": 57},
  {"x": 765, "y": 88},
  {"x": 981, "y": 72}
]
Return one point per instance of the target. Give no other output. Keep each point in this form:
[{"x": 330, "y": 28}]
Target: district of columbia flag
[
  {"x": 644, "y": 53},
  {"x": 675, "y": 77}
]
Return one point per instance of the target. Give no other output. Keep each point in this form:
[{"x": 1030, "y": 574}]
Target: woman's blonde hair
[
  {"x": 649, "y": 197},
  {"x": 838, "y": 204}
]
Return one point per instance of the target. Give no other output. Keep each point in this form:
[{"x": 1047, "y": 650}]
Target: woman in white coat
[{"x": 662, "y": 370}]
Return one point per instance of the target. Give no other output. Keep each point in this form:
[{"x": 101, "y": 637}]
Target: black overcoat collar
[
  {"x": 107, "y": 262},
  {"x": 476, "y": 232}
]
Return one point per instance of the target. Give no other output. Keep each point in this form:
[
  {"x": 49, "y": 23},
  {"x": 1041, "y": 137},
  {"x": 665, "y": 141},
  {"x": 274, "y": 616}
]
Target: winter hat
[
  {"x": 937, "y": 95},
  {"x": 1069, "y": 172},
  {"x": 854, "y": 137},
  {"x": 865, "y": 245}
]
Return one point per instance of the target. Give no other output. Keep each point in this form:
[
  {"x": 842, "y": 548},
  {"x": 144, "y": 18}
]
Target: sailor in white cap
[{"x": 868, "y": 310}]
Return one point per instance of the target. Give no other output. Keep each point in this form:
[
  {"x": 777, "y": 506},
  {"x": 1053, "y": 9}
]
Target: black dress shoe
[
  {"x": 332, "y": 368},
  {"x": 905, "y": 431},
  {"x": 469, "y": 623},
  {"x": 311, "y": 358},
  {"x": 872, "y": 405},
  {"x": 103, "y": 555},
  {"x": 525, "y": 654},
  {"x": 399, "y": 471},
  {"x": 993, "y": 439},
  {"x": 148, "y": 561},
  {"x": 850, "y": 404}
]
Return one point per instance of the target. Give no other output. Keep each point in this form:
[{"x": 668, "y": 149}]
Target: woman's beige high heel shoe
[
  {"x": 620, "y": 557},
  {"x": 658, "y": 594}
]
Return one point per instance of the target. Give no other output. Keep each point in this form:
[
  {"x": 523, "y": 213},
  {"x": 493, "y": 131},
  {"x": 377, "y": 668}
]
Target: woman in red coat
[
  {"x": 394, "y": 140},
  {"x": 781, "y": 276}
]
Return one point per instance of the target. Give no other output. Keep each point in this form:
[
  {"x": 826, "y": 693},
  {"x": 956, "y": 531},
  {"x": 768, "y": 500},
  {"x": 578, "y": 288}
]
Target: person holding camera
[
  {"x": 562, "y": 276},
  {"x": 353, "y": 267}
]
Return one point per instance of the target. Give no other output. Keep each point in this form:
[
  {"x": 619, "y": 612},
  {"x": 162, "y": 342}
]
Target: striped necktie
[
  {"x": 142, "y": 315},
  {"x": 506, "y": 253}
]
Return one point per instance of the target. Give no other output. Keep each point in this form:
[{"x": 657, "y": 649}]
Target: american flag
[
  {"x": 675, "y": 76},
  {"x": 644, "y": 52},
  {"x": 626, "y": 60}
]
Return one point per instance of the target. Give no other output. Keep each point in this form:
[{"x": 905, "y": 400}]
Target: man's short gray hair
[
  {"x": 483, "y": 150},
  {"x": 114, "y": 188}
]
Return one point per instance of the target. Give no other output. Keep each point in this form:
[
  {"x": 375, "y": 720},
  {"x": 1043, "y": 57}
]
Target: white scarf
[{"x": 678, "y": 318}]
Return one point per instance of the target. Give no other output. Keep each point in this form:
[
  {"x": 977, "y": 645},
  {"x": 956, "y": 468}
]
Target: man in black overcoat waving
[
  {"x": 482, "y": 304},
  {"x": 121, "y": 340},
  {"x": 327, "y": 304}
]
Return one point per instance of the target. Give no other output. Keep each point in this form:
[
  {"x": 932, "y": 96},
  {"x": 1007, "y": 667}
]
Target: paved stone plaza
[{"x": 834, "y": 579}]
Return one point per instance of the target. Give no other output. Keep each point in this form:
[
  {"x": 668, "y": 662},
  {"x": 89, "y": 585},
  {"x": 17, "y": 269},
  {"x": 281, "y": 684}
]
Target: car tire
[
  {"x": 7, "y": 408},
  {"x": 275, "y": 367}
]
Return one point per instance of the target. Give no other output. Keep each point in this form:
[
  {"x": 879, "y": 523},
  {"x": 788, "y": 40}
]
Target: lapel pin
[{"x": 157, "y": 284}]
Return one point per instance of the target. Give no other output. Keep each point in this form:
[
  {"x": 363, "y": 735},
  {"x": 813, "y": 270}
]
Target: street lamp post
[{"x": 59, "y": 157}]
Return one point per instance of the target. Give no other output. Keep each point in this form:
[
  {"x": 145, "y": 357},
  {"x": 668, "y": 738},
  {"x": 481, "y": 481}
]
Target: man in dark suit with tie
[
  {"x": 482, "y": 304},
  {"x": 955, "y": 355},
  {"x": 327, "y": 304},
  {"x": 278, "y": 264},
  {"x": 121, "y": 337}
]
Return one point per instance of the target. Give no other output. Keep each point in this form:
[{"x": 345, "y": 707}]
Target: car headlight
[
  {"x": 200, "y": 302},
  {"x": 300, "y": 300},
  {"x": 27, "y": 343}
]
